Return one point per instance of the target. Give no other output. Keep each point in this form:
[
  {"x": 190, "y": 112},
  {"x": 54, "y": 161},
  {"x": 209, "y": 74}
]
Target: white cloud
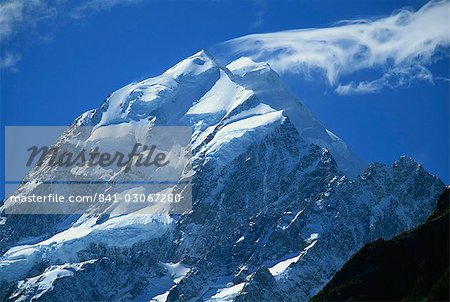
[
  {"x": 10, "y": 13},
  {"x": 401, "y": 76},
  {"x": 442, "y": 79},
  {"x": 400, "y": 45},
  {"x": 259, "y": 19},
  {"x": 360, "y": 88},
  {"x": 17, "y": 16},
  {"x": 9, "y": 61}
]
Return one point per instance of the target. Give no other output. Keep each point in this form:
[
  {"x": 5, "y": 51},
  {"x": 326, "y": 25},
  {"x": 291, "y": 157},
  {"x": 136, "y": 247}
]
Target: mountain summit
[{"x": 244, "y": 95}]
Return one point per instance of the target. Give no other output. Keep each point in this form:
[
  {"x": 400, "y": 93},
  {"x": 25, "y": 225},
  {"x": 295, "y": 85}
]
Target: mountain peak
[
  {"x": 199, "y": 92},
  {"x": 406, "y": 162},
  {"x": 193, "y": 65}
]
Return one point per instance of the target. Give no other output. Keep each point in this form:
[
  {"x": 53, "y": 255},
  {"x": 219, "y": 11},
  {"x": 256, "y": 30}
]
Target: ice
[
  {"x": 312, "y": 237},
  {"x": 63, "y": 247},
  {"x": 228, "y": 293},
  {"x": 43, "y": 283},
  {"x": 256, "y": 76},
  {"x": 282, "y": 266},
  {"x": 176, "y": 270},
  {"x": 224, "y": 96},
  {"x": 226, "y": 139}
]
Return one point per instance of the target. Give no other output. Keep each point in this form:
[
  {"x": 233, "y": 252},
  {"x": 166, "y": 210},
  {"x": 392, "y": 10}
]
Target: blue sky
[{"x": 60, "y": 59}]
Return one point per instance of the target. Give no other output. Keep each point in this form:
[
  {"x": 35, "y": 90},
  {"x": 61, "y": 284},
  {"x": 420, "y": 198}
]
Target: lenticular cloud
[{"x": 401, "y": 45}]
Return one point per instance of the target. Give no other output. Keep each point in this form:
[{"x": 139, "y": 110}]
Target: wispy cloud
[
  {"x": 442, "y": 79},
  {"x": 395, "y": 77},
  {"x": 94, "y": 6},
  {"x": 17, "y": 16},
  {"x": 9, "y": 60},
  {"x": 401, "y": 46},
  {"x": 260, "y": 12}
]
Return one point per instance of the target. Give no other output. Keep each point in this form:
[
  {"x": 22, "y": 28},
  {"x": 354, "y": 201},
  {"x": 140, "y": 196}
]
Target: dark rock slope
[{"x": 413, "y": 266}]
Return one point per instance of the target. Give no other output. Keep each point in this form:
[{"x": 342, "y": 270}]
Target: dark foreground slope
[{"x": 412, "y": 266}]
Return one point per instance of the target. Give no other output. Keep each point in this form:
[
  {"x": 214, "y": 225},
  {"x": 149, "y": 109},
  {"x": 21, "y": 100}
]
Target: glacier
[{"x": 280, "y": 202}]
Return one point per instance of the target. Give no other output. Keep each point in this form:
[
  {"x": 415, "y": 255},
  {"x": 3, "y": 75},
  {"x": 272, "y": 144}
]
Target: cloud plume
[{"x": 401, "y": 46}]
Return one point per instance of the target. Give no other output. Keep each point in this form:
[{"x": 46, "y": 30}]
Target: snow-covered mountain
[{"x": 279, "y": 201}]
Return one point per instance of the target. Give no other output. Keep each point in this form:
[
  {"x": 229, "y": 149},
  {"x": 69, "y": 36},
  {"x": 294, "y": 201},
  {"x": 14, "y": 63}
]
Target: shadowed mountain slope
[{"x": 410, "y": 267}]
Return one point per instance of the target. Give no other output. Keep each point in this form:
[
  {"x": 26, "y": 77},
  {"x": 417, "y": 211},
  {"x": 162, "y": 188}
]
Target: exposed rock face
[
  {"x": 413, "y": 266},
  {"x": 277, "y": 210}
]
